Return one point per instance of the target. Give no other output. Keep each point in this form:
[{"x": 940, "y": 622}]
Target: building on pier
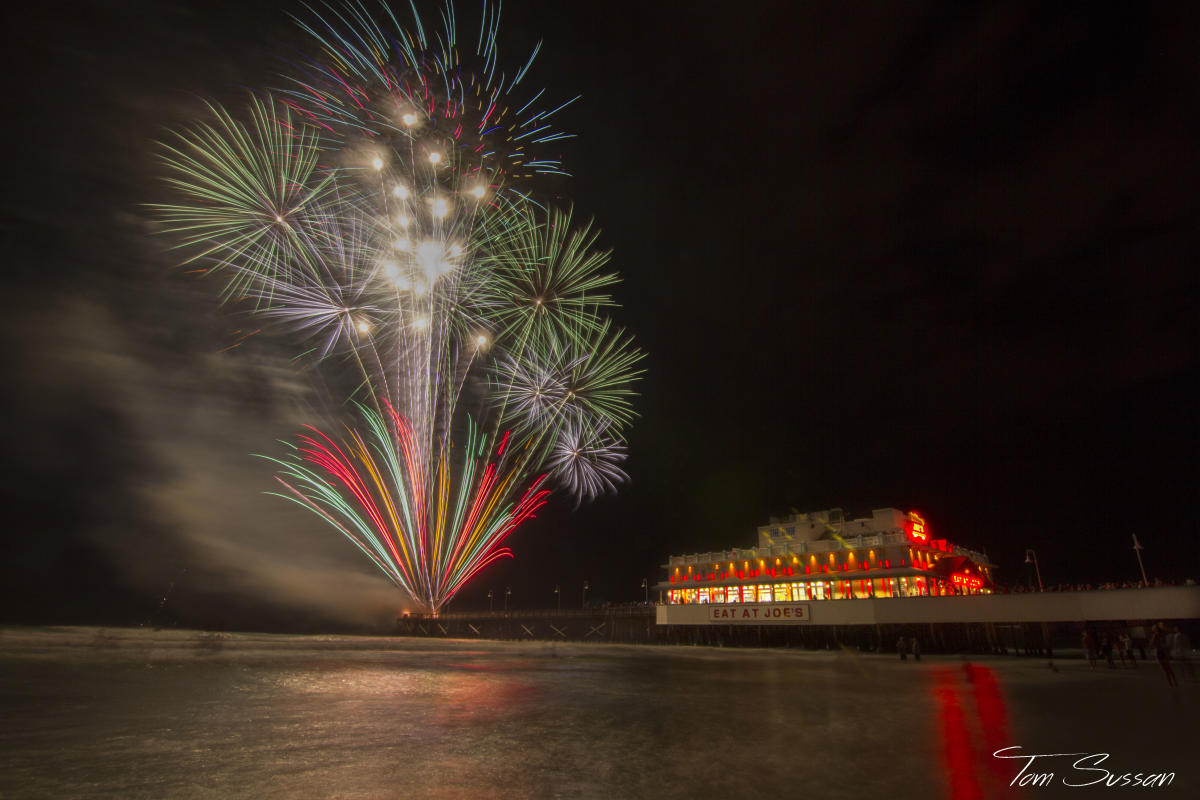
[{"x": 825, "y": 556}]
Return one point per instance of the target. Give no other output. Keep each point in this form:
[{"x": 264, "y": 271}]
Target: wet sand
[{"x": 136, "y": 713}]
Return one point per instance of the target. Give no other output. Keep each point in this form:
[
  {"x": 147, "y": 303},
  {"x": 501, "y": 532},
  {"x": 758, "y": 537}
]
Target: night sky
[{"x": 930, "y": 256}]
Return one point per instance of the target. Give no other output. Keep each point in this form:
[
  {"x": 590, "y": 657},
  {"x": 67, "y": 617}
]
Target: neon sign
[
  {"x": 916, "y": 528},
  {"x": 966, "y": 581}
]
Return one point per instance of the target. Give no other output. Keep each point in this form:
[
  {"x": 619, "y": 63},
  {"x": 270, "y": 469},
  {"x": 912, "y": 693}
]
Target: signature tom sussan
[{"x": 1077, "y": 770}]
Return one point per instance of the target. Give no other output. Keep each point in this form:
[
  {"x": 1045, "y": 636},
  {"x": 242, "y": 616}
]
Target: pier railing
[
  {"x": 1031, "y": 624},
  {"x": 636, "y": 610}
]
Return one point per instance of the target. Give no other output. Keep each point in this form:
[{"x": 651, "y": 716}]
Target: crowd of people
[
  {"x": 1089, "y": 587},
  {"x": 1165, "y": 643}
]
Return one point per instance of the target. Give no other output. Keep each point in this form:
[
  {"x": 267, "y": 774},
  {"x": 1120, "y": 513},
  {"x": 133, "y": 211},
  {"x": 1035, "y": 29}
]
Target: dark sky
[{"x": 935, "y": 256}]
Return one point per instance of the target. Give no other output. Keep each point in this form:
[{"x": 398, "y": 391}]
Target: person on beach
[
  {"x": 1106, "y": 649},
  {"x": 1181, "y": 651},
  {"x": 1162, "y": 651}
]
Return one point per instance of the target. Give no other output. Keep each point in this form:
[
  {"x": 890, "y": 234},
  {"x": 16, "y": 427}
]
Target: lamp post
[
  {"x": 1137, "y": 548},
  {"x": 645, "y": 592},
  {"x": 507, "y": 593},
  {"x": 557, "y": 598},
  {"x": 491, "y": 606},
  {"x": 585, "y": 588},
  {"x": 1031, "y": 558}
]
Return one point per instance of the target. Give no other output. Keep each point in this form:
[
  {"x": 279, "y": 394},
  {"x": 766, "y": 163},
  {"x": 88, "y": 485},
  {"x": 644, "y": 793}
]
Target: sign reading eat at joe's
[{"x": 758, "y": 614}]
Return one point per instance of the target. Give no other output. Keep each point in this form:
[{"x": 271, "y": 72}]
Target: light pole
[
  {"x": 491, "y": 606},
  {"x": 557, "y": 597},
  {"x": 507, "y": 593},
  {"x": 645, "y": 592},
  {"x": 1031, "y": 558},
  {"x": 1137, "y": 548},
  {"x": 585, "y": 588}
]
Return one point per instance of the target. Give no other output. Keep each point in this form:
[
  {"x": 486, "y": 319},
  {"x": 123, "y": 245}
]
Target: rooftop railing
[{"x": 817, "y": 546}]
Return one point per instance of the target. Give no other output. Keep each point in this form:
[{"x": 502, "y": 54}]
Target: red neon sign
[
  {"x": 916, "y": 528},
  {"x": 966, "y": 581}
]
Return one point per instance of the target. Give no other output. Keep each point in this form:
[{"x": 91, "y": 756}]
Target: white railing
[{"x": 803, "y": 547}]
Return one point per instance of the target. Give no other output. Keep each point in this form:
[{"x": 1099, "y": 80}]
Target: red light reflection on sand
[
  {"x": 993, "y": 715},
  {"x": 969, "y": 741},
  {"x": 483, "y": 696},
  {"x": 957, "y": 757}
]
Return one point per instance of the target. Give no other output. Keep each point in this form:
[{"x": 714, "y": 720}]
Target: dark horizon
[{"x": 937, "y": 257}]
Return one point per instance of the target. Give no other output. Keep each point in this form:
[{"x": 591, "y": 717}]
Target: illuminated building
[{"x": 823, "y": 556}]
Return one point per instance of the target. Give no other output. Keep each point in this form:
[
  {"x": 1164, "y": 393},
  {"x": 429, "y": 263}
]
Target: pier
[{"x": 1035, "y": 624}]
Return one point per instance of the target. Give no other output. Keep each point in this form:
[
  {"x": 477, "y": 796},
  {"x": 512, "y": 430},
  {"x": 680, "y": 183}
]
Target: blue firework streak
[{"x": 408, "y": 89}]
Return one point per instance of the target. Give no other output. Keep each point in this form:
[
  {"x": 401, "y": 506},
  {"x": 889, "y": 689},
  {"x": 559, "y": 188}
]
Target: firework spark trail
[
  {"x": 473, "y": 541},
  {"x": 381, "y": 207}
]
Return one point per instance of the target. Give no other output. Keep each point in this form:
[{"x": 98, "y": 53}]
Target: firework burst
[
  {"x": 428, "y": 533},
  {"x": 381, "y": 207},
  {"x": 587, "y": 462}
]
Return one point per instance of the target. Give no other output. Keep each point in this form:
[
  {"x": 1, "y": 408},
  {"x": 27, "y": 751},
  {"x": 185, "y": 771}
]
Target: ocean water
[{"x": 175, "y": 714}]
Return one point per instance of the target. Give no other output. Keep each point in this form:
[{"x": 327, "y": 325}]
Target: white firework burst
[{"x": 587, "y": 463}]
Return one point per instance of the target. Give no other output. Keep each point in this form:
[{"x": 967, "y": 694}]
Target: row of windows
[
  {"x": 919, "y": 586},
  {"x": 848, "y": 562}
]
